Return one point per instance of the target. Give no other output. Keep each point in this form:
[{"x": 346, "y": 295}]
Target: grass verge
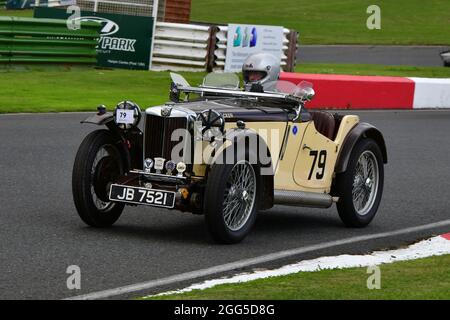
[
  {"x": 26, "y": 13},
  {"x": 84, "y": 89},
  {"x": 330, "y": 21},
  {"x": 417, "y": 279},
  {"x": 337, "y": 21}
]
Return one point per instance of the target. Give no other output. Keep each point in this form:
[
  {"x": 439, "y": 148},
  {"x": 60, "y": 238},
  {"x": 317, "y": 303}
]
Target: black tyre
[
  {"x": 231, "y": 200},
  {"x": 360, "y": 187},
  {"x": 98, "y": 163}
]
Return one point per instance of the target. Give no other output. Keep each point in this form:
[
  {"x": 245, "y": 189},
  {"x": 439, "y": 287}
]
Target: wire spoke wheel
[
  {"x": 105, "y": 169},
  {"x": 239, "y": 196},
  {"x": 365, "y": 183},
  {"x": 97, "y": 165}
]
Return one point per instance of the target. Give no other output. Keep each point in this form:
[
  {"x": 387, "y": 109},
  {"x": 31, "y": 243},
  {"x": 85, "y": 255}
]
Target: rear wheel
[
  {"x": 231, "y": 200},
  {"x": 360, "y": 188},
  {"x": 98, "y": 164}
]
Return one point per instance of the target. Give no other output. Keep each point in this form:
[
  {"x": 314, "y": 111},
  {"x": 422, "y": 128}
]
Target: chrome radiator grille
[{"x": 158, "y": 133}]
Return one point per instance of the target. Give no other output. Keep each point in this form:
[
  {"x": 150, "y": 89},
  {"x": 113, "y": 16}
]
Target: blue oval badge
[{"x": 295, "y": 130}]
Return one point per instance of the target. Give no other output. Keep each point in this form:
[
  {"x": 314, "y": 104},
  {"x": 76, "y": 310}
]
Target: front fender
[
  {"x": 99, "y": 119},
  {"x": 235, "y": 137},
  {"x": 361, "y": 130},
  {"x": 122, "y": 142}
]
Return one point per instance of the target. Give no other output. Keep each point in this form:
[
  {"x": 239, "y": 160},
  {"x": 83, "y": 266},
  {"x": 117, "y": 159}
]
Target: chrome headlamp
[
  {"x": 170, "y": 166},
  {"x": 148, "y": 165},
  {"x": 127, "y": 115},
  {"x": 181, "y": 168}
]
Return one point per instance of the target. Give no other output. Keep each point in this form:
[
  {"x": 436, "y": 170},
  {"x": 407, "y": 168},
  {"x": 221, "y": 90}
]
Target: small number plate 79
[
  {"x": 124, "y": 116},
  {"x": 149, "y": 197}
]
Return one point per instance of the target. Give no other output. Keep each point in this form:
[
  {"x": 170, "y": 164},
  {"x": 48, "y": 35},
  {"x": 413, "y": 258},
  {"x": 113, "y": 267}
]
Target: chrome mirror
[{"x": 305, "y": 91}]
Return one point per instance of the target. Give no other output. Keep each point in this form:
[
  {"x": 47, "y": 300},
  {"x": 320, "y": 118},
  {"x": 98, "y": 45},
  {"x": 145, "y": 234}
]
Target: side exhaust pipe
[{"x": 303, "y": 199}]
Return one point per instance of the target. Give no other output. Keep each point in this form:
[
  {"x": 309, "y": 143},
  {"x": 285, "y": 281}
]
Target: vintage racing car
[{"x": 226, "y": 153}]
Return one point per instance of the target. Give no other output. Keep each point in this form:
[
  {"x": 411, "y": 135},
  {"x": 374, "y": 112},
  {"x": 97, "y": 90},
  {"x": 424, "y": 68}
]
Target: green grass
[
  {"x": 82, "y": 90},
  {"x": 403, "y": 22},
  {"x": 27, "y": 13},
  {"x": 417, "y": 279},
  {"x": 56, "y": 90}
]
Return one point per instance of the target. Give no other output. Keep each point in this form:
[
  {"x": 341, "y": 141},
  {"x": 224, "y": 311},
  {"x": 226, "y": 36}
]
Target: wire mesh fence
[{"x": 129, "y": 7}]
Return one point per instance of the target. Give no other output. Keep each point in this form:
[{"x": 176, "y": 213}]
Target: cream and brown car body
[{"x": 307, "y": 149}]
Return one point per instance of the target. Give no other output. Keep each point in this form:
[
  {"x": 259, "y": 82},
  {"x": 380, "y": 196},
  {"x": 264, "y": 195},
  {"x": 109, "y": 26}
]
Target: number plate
[
  {"x": 125, "y": 116},
  {"x": 149, "y": 197}
]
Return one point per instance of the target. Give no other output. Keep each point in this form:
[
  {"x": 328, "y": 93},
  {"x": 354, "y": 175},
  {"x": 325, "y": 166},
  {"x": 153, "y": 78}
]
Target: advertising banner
[
  {"x": 125, "y": 41},
  {"x": 244, "y": 40}
]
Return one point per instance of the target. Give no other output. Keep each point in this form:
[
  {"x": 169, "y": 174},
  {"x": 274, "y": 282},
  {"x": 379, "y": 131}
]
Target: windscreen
[{"x": 222, "y": 80}]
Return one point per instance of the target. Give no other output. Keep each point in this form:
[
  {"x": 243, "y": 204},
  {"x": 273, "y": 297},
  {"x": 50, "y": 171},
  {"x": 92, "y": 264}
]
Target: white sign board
[{"x": 244, "y": 40}]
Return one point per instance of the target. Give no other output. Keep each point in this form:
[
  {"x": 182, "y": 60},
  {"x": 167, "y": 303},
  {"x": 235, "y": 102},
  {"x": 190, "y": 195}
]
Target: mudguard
[
  {"x": 361, "y": 130},
  {"x": 99, "y": 119},
  {"x": 123, "y": 142},
  {"x": 234, "y": 137}
]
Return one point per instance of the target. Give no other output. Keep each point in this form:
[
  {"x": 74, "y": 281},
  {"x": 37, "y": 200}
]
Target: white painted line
[
  {"x": 435, "y": 246},
  {"x": 249, "y": 262}
]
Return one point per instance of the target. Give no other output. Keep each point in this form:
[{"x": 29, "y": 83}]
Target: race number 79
[
  {"x": 125, "y": 116},
  {"x": 320, "y": 158}
]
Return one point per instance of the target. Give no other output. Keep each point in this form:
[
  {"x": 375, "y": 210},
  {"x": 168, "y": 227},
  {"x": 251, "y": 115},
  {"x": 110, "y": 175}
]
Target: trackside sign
[
  {"x": 125, "y": 41},
  {"x": 244, "y": 40}
]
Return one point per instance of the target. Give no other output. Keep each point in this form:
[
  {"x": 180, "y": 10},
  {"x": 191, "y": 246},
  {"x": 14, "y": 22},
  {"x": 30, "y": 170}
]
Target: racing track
[
  {"x": 428, "y": 56},
  {"x": 41, "y": 234}
]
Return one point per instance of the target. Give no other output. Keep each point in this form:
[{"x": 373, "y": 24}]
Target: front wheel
[
  {"x": 231, "y": 201},
  {"x": 360, "y": 187},
  {"x": 98, "y": 164}
]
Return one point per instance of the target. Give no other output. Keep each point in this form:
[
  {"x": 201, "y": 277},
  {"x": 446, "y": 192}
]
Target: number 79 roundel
[{"x": 318, "y": 165}]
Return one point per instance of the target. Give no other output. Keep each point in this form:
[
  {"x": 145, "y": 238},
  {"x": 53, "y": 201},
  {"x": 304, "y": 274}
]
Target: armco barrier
[
  {"x": 29, "y": 40},
  {"x": 192, "y": 47},
  {"x": 180, "y": 47},
  {"x": 2, "y": 4},
  {"x": 374, "y": 92}
]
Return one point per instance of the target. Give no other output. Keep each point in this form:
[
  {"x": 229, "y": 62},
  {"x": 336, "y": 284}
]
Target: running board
[{"x": 303, "y": 199}]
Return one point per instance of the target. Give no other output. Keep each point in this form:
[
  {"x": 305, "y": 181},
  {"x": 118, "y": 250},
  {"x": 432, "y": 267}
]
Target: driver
[{"x": 263, "y": 69}]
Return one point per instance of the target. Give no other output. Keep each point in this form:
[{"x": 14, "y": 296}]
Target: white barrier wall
[{"x": 431, "y": 93}]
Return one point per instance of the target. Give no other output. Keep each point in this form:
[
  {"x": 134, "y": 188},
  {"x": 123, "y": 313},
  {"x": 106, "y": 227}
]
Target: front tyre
[
  {"x": 360, "y": 187},
  {"x": 231, "y": 201},
  {"x": 97, "y": 164}
]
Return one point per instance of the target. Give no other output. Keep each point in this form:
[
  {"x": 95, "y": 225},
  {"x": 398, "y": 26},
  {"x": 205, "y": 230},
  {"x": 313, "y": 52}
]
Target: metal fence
[
  {"x": 29, "y": 40},
  {"x": 2, "y": 4},
  {"x": 130, "y": 7},
  {"x": 201, "y": 47}
]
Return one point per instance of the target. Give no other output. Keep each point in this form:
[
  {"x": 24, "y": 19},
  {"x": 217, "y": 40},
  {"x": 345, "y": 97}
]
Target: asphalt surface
[
  {"x": 41, "y": 234},
  {"x": 363, "y": 54}
]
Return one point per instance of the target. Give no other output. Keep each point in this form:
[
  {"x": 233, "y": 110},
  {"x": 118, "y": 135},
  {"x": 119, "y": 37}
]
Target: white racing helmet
[{"x": 261, "y": 68}]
